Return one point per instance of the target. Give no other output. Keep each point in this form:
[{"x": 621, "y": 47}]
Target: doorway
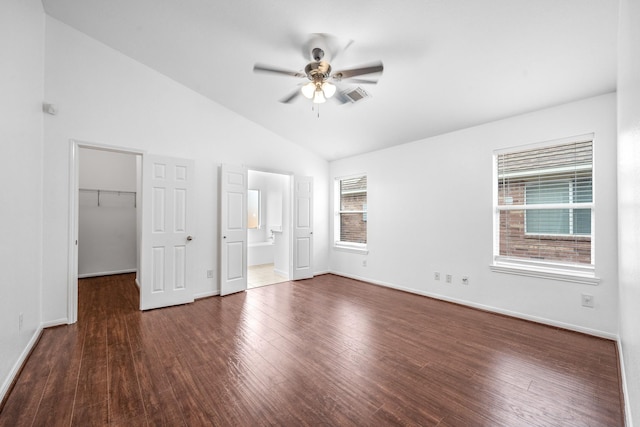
[
  {"x": 268, "y": 228},
  {"x": 234, "y": 234},
  {"x": 107, "y": 212},
  {"x": 104, "y": 193}
]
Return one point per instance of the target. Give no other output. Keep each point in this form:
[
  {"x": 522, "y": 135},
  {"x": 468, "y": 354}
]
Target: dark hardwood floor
[{"x": 329, "y": 351}]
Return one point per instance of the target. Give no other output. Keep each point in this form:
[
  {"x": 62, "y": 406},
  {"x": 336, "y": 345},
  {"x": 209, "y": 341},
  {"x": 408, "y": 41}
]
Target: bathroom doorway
[{"x": 268, "y": 228}]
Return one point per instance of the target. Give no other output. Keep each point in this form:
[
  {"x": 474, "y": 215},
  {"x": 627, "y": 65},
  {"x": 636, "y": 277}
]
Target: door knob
[{"x": 189, "y": 238}]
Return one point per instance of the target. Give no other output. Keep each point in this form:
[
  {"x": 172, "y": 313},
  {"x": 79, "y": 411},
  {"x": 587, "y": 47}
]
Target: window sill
[
  {"x": 352, "y": 248},
  {"x": 582, "y": 275}
]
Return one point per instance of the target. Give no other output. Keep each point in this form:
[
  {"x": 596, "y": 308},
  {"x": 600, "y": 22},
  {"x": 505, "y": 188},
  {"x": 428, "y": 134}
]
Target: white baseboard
[
  {"x": 18, "y": 365},
  {"x": 106, "y": 273},
  {"x": 56, "y": 322},
  {"x": 542, "y": 320},
  {"x": 625, "y": 391}
]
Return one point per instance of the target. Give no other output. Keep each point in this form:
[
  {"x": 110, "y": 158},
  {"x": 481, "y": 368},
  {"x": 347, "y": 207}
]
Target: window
[
  {"x": 351, "y": 215},
  {"x": 253, "y": 209},
  {"x": 544, "y": 207}
]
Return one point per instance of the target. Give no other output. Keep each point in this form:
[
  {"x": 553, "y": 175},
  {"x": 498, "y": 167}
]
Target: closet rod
[{"x": 118, "y": 192}]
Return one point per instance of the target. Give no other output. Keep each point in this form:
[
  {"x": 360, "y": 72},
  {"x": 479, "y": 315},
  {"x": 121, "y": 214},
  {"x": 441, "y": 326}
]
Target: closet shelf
[{"x": 118, "y": 192}]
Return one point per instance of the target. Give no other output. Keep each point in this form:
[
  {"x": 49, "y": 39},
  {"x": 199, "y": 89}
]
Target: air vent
[{"x": 355, "y": 95}]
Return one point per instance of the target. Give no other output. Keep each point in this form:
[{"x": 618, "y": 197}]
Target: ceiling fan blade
[
  {"x": 341, "y": 50},
  {"x": 369, "y": 69},
  {"x": 274, "y": 70},
  {"x": 289, "y": 98},
  {"x": 363, "y": 81}
]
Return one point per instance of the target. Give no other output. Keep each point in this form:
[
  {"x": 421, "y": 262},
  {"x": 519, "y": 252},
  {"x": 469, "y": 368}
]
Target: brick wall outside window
[
  {"x": 514, "y": 242},
  {"x": 353, "y": 227}
]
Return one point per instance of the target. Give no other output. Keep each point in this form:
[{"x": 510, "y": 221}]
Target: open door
[
  {"x": 233, "y": 229},
  {"x": 302, "y": 266},
  {"x": 168, "y": 224}
]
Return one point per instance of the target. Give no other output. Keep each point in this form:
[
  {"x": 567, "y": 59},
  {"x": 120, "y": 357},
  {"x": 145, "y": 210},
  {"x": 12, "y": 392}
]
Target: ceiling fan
[{"x": 322, "y": 82}]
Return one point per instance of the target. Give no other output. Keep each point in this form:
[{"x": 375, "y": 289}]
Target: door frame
[{"x": 74, "y": 171}]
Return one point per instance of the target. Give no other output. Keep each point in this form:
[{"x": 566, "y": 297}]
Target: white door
[
  {"x": 233, "y": 229},
  {"x": 302, "y": 265},
  {"x": 168, "y": 226}
]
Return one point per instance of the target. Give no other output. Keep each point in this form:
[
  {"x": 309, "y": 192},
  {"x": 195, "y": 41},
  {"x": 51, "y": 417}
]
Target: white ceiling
[{"x": 449, "y": 64}]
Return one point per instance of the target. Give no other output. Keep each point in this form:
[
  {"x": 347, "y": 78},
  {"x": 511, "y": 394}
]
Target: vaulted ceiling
[{"x": 448, "y": 64}]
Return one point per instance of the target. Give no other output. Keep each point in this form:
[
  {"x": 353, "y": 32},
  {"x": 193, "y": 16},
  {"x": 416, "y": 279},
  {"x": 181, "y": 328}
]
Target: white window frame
[
  {"x": 337, "y": 243},
  {"x": 576, "y": 273}
]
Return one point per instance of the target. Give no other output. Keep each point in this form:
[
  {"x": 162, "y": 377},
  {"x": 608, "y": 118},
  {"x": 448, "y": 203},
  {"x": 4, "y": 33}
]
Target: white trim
[
  {"x": 106, "y": 273},
  {"x": 15, "y": 369},
  {"x": 57, "y": 322},
  {"x": 268, "y": 170},
  {"x": 351, "y": 176},
  {"x": 491, "y": 309},
  {"x": 546, "y": 270},
  {"x": 72, "y": 257},
  {"x": 356, "y": 248},
  {"x": 625, "y": 390}
]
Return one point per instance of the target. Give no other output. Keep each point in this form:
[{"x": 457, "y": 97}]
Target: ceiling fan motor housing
[
  {"x": 320, "y": 70},
  {"x": 317, "y": 54}
]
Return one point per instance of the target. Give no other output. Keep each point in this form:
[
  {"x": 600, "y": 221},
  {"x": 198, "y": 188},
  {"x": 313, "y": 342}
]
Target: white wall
[
  {"x": 629, "y": 201},
  {"x": 107, "y": 220},
  {"x": 430, "y": 210},
  {"x": 21, "y": 86},
  {"x": 107, "y": 98}
]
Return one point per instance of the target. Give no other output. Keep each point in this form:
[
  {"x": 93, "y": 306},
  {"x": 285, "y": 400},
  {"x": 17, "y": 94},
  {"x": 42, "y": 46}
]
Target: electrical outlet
[
  {"x": 209, "y": 274},
  {"x": 448, "y": 278},
  {"x": 364, "y": 262},
  {"x": 587, "y": 300},
  {"x": 20, "y": 321},
  {"x": 436, "y": 276},
  {"x": 465, "y": 280}
]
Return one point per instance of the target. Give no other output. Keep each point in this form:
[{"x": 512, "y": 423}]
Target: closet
[{"x": 107, "y": 212}]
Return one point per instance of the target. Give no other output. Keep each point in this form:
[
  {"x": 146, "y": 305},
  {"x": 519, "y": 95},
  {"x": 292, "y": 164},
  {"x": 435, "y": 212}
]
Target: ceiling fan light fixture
[
  {"x": 329, "y": 89},
  {"x": 318, "y": 97},
  {"x": 308, "y": 90}
]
